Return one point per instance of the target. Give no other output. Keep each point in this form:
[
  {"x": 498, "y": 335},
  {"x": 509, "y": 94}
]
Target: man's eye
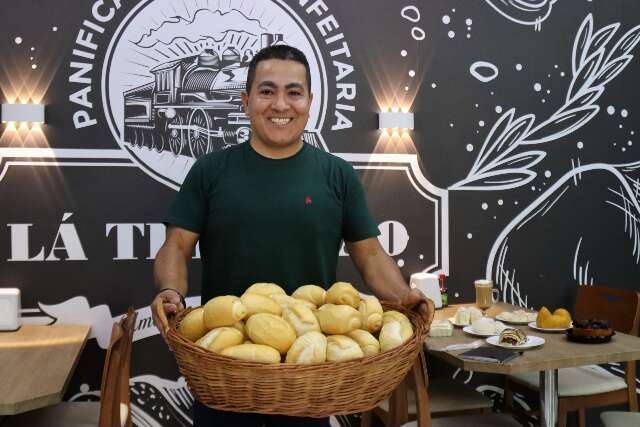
[
  {"x": 295, "y": 93},
  {"x": 266, "y": 91}
]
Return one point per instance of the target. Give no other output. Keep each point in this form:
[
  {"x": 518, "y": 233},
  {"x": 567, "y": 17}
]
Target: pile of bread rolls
[{"x": 310, "y": 326}]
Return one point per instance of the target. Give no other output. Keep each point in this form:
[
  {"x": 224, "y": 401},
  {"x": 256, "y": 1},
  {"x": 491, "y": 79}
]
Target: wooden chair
[
  {"x": 591, "y": 386},
  {"x": 447, "y": 397},
  {"x": 113, "y": 410},
  {"x": 399, "y": 407}
]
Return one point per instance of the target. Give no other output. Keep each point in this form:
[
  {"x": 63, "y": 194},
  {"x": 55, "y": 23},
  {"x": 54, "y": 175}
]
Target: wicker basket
[{"x": 317, "y": 390}]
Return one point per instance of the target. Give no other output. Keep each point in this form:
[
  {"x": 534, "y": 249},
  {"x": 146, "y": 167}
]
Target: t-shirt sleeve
[
  {"x": 189, "y": 209},
  {"x": 357, "y": 221}
]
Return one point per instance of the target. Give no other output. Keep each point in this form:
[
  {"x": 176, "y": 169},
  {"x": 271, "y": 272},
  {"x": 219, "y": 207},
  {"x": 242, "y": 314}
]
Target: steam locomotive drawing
[{"x": 193, "y": 106}]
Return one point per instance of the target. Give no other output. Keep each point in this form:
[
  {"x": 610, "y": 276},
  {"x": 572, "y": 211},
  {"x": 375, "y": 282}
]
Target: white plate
[
  {"x": 453, "y": 322},
  {"x": 502, "y": 319},
  {"x": 534, "y": 325},
  {"x": 532, "y": 341},
  {"x": 469, "y": 330}
]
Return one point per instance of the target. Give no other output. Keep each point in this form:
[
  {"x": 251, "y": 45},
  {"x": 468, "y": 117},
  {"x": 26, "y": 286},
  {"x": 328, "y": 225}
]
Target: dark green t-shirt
[{"x": 271, "y": 220}]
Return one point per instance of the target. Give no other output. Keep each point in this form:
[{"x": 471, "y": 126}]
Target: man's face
[{"x": 278, "y": 104}]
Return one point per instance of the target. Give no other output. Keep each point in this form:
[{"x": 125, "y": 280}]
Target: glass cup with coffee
[{"x": 486, "y": 295}]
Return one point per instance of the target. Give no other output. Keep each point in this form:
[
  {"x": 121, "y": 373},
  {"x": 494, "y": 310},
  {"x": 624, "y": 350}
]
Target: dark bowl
[{"x": 588, "y": 340}]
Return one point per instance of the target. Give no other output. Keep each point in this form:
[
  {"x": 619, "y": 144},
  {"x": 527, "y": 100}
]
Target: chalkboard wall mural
[{"x": 523, "y": 165}]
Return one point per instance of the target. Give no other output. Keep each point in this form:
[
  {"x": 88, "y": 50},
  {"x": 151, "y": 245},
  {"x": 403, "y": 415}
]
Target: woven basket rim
[
  {"x": 175, "y": 338},
  {"x": 224, "y": 383}
]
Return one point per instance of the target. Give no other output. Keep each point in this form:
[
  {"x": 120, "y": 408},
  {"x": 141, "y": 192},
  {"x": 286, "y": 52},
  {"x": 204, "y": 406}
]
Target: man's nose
[{"x": 280, "y": 103}]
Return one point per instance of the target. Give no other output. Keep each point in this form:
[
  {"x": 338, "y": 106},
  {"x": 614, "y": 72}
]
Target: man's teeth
[{"x": 280, "y": 121}]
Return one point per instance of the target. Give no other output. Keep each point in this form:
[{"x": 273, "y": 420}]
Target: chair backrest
[
  {"x": 115, "y": 408},
  {"x": 620, "y": 306}
]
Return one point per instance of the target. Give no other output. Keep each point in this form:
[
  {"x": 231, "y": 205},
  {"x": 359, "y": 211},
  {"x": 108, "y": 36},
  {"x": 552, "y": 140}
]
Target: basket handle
[{"x": 428, "y": 314}]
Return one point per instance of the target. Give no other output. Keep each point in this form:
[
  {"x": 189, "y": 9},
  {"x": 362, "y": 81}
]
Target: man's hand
[
  {"x": 413, "y": 298},
  {"x": 164, "y": 304}
]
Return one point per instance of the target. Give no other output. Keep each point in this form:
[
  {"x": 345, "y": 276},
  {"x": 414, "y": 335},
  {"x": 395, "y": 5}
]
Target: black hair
[{"x": 277, "y": 51}]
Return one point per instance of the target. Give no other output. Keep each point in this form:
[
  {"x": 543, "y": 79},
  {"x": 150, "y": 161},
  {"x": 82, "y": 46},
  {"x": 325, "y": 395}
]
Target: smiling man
[{"x": 273, "y": 210}]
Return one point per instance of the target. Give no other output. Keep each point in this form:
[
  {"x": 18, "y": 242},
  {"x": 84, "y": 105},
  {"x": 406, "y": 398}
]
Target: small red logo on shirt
[{"x": 307, "y": 200}]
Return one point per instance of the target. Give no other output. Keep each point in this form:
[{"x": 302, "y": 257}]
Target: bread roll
[
  {"x": 343, "y": 293},
  {"x": 367, "y": 342},
  {"x": 265, "y": 289},
  {"x": 192, "y": 325},
  {"x": 271, "y": 330},
  {"x": 338, "y": 319},
  {"x": 371, "y": 312},
  {"x": 218, "y": 339},
  {"x": 308, "y": 348},
  {"x": 285, "y": 301},
  {"x": 257, "y": 303},
  {"x": 394, "y": 333},
  {"x": 341, "y": 348},
  {"x": 395, "y": 315},
  {"x": 301, "y": 318},
  {"x": 253, "y": 353},
  {"x": 223, "y": 311},
  {"x": 312, "y": 293}
]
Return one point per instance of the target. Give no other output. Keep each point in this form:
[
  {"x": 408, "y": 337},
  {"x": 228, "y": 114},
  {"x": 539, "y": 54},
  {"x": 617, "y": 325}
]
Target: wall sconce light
[
  {"x": 33, "y": 113},
  {"x": 395, "y": 119}
]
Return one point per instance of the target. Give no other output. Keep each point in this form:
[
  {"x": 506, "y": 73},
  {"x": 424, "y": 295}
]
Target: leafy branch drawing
[{"x": 502, "y": 162}]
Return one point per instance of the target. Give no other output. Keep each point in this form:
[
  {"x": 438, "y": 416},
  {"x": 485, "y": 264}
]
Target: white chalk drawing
[
  {"x": 581, "y": 273},
  {"x": 459, "y": 372},
  {"x": 77, "y": 310},
  {"x": 628, "y": 204},
  {"x": 483, "y": 71},
  {"x": 501, "y": 162},
  {"x": 409, "y": 164},
  {"x": 172, "y": 80},
  {"x": 495, "y": 392},
  {"x": 524, "y": 12},
  {"x": 158, "y": 402},
  {"x": 509, "y": 286},
  {"x": 630, "y": 215},
  {"x": 155, "y": 402}
]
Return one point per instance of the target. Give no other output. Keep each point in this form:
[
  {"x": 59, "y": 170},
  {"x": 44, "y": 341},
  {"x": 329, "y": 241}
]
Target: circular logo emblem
[{"x": 173, "y": 75}]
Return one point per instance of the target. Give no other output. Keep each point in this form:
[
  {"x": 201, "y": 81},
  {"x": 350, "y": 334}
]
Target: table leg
[{"x": 549, "y": 398}]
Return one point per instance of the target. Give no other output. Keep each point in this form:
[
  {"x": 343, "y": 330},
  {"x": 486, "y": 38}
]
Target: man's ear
[{"x": 245, "y": 101}]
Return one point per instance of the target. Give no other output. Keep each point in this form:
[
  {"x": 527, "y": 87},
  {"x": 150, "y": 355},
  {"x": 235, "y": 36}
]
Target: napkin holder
[
  {"x": 429, "y": 285},
  {"x": 9, "y": 309}
]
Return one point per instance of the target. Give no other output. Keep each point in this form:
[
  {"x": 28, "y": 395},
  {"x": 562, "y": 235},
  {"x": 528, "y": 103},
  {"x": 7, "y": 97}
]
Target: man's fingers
[{"x": 160, "y": 316}]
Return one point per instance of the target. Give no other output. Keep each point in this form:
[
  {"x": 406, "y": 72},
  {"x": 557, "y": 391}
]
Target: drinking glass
[{"x": 486, "y": 295}]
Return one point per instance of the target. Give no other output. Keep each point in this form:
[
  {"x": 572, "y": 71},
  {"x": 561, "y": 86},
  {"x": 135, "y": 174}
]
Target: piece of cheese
[{"x": 441, "y": 328}]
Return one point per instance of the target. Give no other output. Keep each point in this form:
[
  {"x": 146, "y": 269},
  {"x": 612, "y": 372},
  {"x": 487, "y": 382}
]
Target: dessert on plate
[
  {"x": 592, "y": 328},
  {"x": 518, "y": 316},
  {"x": 467, "y": 315},
  {"x": 486, "y": 326},
  {"x": 559, "y": 319},
  {"x": 512, "y": 336}
]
